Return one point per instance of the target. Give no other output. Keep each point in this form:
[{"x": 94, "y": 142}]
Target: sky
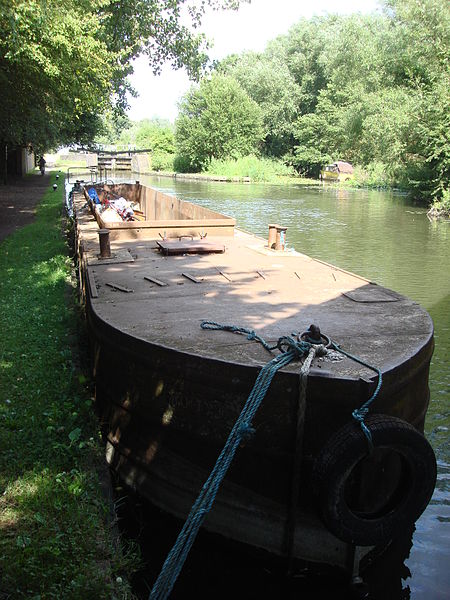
[{"x": 249, "y": 28}]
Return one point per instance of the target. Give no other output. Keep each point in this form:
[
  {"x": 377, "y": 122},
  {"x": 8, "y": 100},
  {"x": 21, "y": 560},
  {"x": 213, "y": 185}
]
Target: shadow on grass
[{"x": 55, "y": 539}]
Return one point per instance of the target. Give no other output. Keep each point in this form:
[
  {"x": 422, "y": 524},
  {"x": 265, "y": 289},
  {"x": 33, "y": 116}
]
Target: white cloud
[{"x": 249, "y": 28}]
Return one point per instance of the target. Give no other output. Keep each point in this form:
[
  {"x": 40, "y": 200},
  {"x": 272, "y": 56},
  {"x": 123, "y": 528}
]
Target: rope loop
[{"x": 286, "y": 343}]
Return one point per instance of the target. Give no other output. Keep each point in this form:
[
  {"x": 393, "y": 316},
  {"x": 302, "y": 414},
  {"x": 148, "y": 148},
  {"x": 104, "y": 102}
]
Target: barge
[{"x": 309, "y": 482}]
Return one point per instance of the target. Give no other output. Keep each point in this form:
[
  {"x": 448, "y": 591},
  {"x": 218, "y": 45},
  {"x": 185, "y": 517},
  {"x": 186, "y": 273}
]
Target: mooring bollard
[
  {"x": 272, "y": 235},
  {"x": 105, "y": 246},
  {"x": 280, "y": 243}
]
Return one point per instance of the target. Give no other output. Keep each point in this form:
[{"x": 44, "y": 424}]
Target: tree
[
  {"x": 154, "y": 134},
  {"x": 65, "y": 62},
  {"x": 421, "y": 61},
  {"x": 53, "y": 72},
  {"x": 268, "y": 81},
  {"x": 305, "y": 49},
  {"x": 217, "y": 119},
  {"x": 336, "y": 62}
]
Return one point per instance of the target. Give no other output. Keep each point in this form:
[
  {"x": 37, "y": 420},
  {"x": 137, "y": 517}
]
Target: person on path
[{"x": 41, "y": 164}]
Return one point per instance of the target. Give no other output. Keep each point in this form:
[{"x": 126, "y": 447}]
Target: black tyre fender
[{"x": 402, "y": 456}]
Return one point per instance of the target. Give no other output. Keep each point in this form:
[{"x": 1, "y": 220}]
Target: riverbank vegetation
[
  {"x": 56, "y": 535},
  {"x": 371, "y": 90},
  {"x": 252, "y": 167},
  {"x": 441, "y": 208}
]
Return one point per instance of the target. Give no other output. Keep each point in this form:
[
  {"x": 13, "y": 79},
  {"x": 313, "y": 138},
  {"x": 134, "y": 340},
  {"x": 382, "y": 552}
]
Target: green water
[{"x": 388, "y": 239}]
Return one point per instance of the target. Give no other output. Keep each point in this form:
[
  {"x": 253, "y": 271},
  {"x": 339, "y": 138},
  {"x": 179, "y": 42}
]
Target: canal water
[{"x": 387, "y": 238}]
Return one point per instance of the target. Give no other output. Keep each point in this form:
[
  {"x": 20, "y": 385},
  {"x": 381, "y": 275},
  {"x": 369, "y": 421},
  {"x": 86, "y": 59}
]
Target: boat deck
[{"x": 163, "y": 299}]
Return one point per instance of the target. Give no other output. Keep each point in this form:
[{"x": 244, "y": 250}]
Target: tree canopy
[
  {"x": 63, "y": 63},
  {"x": 218, "y": 120},
  {"x": 373, "y": 90},
  {"x": 268, "y": 81}
]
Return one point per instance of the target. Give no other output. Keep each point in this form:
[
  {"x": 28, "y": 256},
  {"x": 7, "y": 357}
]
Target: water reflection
[{"x": 387, "y": 238}]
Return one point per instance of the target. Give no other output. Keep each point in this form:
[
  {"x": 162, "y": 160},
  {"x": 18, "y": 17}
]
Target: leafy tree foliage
[
  {"x": 268, "y": 81},
  {"x": 53, "y": 72},
  {"x": 155, "y": 134},
  {"x": 373, "y": 90},
  {"x": 218, "y": 120},
  {"x": 422, "y": 59},
  {"x": 63, "y": 63}
]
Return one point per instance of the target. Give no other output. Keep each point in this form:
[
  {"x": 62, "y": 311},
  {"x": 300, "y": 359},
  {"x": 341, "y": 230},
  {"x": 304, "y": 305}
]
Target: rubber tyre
[{"x": 341, "y": 455}]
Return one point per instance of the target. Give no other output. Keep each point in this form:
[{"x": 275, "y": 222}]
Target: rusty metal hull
[{"x": 168, "y": 393}]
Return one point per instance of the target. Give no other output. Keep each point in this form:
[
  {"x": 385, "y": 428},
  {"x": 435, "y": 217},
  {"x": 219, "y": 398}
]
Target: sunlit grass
[
  {"x": 252, "y": 167},
  {"x": 55, "y": 540}
]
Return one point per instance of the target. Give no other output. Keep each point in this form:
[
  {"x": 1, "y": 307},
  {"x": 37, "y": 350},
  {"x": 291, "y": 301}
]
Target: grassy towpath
[{"x": 56, "y": 538}]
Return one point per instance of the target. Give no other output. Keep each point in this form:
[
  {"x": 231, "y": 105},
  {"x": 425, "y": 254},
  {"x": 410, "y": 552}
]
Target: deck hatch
[{"x": 168, "y": 247}]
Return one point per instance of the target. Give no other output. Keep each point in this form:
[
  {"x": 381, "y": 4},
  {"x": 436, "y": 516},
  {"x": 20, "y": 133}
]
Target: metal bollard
[
  {"x": 280, "y": 243},
  {"x": 105, "y": 246},
  {"x": 272, "y": 235}
]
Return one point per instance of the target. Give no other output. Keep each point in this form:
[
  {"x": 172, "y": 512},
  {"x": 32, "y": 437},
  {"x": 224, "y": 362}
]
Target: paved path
[{"x": 18, "y": 202}]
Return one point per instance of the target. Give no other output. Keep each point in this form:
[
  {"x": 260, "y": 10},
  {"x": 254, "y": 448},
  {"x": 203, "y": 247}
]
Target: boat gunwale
[{"x": 416, "y": 361}]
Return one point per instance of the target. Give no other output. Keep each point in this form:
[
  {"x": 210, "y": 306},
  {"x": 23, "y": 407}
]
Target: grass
[
  {"x": 56, "y": 539},
  {"x": 250, "y": 169},
  {"x": 256, "y": 169}
]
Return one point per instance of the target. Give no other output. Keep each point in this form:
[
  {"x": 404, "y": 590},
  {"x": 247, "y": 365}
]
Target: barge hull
[{"x": 168, "y": 393}]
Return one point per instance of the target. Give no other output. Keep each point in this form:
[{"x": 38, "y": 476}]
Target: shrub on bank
[
  {"x": 441, "y": 208},
  {"x": 256, "y": 169},
  {"x": 162, "y": 161},
  {"x": 374, "y": 175}
]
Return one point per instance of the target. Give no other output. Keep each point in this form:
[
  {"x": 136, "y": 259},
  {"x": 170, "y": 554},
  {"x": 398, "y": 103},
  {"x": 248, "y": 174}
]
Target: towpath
[{"x": 18, "y": 201}]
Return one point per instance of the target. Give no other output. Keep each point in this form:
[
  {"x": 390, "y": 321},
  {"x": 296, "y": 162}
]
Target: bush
[
  {"x": 162, "y": 161},
  {"x": 257, "y": 169},
  {"x": 374, "y": 175},
  {"x": 182, "y": 164},
  {"x": 441, "y": 207}
]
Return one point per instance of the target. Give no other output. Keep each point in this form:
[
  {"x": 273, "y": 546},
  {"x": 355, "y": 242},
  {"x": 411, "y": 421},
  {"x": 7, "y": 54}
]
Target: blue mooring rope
[
  {"x": 242, "y": 430},
  {"x": 251, "y": 335},
  {"x": 359, "y": 414}
]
